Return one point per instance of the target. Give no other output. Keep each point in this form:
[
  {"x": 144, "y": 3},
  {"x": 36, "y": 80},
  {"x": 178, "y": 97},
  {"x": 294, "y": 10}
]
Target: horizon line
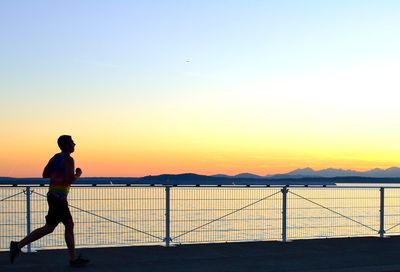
[{"x": 234, "y": 175}]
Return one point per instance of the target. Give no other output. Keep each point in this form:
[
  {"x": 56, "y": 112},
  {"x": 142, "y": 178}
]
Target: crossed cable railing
[
  {"x": 335, "y": 212},
  {"x": 125, "y": 215},
  {"x": 107, "y": 219}
]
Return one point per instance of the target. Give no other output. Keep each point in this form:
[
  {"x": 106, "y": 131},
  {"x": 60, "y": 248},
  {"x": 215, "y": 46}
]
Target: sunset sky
[{"x": 207, "y": 87}]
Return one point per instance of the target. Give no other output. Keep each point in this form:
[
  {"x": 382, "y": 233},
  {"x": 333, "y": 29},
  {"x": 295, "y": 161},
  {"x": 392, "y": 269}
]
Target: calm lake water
[{"x": 111, "y": 216}]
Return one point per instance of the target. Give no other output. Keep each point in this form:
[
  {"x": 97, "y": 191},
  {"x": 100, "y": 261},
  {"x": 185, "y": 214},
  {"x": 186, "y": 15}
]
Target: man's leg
[
  {"x": 69, "y": 238},
  {"x": 36, "y": 234},
  {"x": 75, "y": 260},
  {"x": 15, "y": 247}
]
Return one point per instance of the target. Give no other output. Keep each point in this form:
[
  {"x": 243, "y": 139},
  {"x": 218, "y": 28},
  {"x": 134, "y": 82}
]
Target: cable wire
[
  {"x": 333, "y": 211},
  {"x": 109, "y": 220},
  {"x": 226, "y": 215}
]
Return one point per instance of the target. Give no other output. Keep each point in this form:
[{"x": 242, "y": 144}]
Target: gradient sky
[{"x": 153, "y": 87}]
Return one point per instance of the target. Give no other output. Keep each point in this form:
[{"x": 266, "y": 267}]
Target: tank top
[{"x": 59, "y": 181}]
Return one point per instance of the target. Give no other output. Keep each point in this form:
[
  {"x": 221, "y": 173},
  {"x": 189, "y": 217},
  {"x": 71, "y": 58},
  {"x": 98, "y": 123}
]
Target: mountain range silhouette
[
  {"x": 392, "y": 172},
  {"x": 303, "y": 176}
]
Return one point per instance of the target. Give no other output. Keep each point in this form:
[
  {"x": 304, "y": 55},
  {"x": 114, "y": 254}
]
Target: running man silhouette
[{"x": 61, "y": 171}]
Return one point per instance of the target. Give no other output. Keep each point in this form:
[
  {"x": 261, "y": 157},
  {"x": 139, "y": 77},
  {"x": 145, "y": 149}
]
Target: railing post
[
  {"x": 284, "y": 209},
  {"x": 28, "y": 214},
  {"x": 382, "y": 213},
  {"x": 167, "y": 238}
]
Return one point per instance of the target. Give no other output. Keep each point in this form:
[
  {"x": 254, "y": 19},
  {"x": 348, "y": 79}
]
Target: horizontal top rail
[
  {"x": 236, "y": 186},
  {"x": 209, "y": 181},
  {"x": 212, "y": 181}
]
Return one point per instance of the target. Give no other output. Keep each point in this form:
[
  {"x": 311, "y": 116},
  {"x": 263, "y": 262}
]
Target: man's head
[{"x": 66, "y": 143}]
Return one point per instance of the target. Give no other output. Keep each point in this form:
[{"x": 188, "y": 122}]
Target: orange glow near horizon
[
  {"x": 117, "y": 160},
  {"x": 207, "y": 149}
]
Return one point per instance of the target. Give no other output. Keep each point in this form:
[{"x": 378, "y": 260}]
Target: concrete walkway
[{"x": 343, "y": 255}]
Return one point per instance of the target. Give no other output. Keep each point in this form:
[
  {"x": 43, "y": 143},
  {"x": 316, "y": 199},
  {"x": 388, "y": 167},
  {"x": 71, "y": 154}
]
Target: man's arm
[
  {"x": 72, "y": 174},
  {"x": 47, "y": 169}
]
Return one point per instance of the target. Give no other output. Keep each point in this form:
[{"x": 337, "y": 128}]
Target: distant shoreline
[{"x": 193, "y": 179}]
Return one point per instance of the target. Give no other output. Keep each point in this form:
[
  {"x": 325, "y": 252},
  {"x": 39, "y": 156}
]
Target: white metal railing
[{"x": 117, "y": 215}]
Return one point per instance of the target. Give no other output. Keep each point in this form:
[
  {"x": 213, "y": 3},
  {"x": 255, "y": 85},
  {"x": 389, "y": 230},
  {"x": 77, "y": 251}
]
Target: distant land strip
[{"x": 194, "y": 179}]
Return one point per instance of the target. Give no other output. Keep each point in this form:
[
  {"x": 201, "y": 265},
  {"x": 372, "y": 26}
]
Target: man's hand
[{"x": 78, "y": 172}]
